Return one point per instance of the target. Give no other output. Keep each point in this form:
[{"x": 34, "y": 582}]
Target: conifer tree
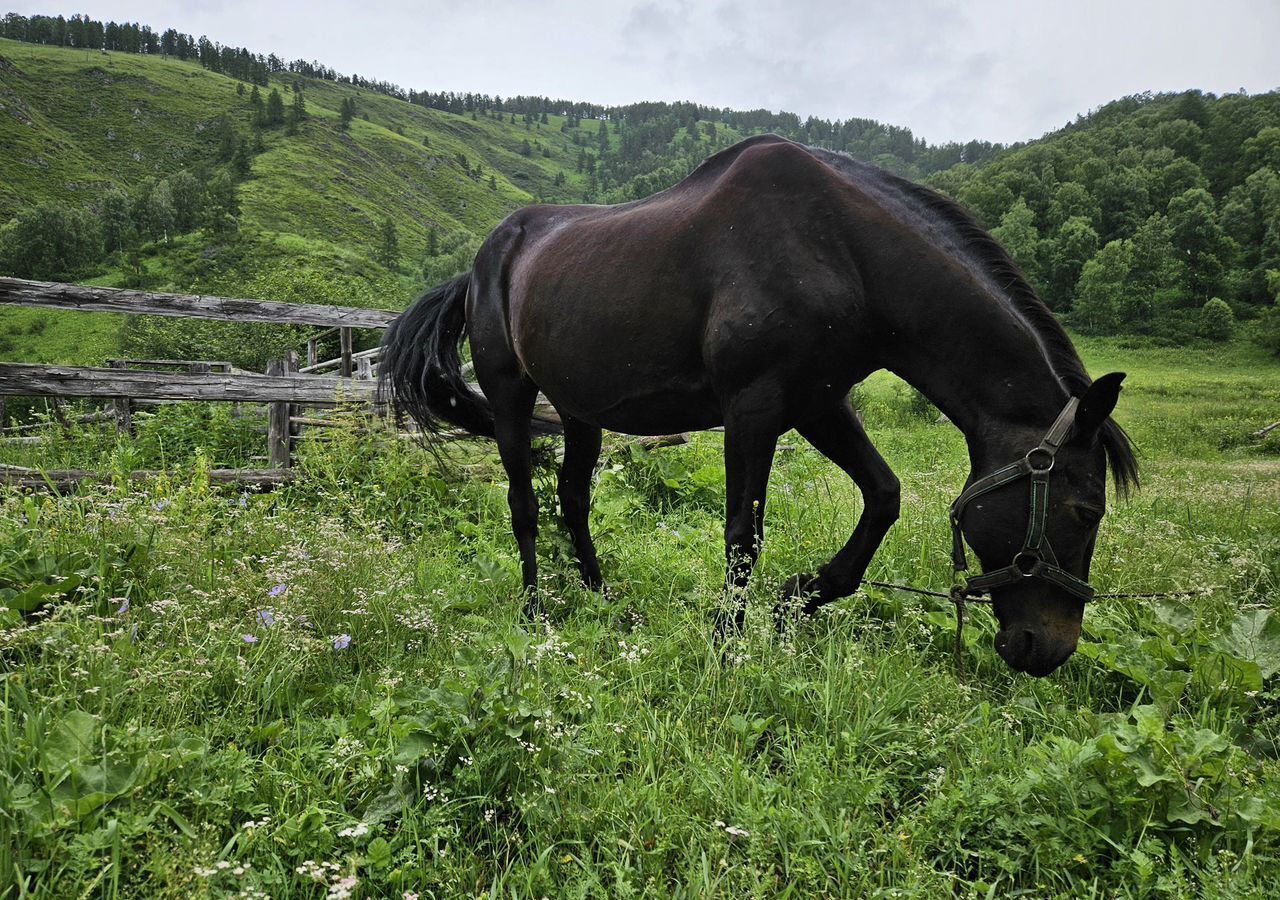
[
  {"x": 242, "y": 161},
  {"x": 258, "y": 114},
  {"x": 389, "y": 245},
  {"x": 275, "y": 108}
]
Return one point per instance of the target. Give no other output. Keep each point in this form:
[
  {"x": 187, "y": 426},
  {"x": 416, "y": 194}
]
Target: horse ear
[{"x": 1096, "y": 404}]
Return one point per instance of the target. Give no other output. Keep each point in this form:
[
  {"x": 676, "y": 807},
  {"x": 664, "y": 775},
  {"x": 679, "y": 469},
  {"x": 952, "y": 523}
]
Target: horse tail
[{"x": 420, "y": 371}]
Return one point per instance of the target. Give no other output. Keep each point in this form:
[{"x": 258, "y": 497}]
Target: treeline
[{"x": 1136, "y": 217}]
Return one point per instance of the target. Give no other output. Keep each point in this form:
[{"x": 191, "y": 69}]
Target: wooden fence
[{"x": 126, "y": 382}]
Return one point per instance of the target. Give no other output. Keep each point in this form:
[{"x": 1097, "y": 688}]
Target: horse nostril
[
  {"x": 1016, "y": 645},
  {"x": 1023, "y": 644}
]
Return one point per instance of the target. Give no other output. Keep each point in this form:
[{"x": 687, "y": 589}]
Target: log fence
[{"x": 127, "y": 383}]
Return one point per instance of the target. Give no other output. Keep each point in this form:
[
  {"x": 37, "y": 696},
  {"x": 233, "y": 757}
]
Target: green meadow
[{"x": 329, "y": 691}]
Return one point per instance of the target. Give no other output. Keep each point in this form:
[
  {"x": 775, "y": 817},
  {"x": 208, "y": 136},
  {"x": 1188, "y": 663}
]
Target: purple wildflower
[
  {"x": 124, "y": 607},
  {"x": 265, "y": 618},
  {"x": 277, "y": 590},
  {"x": 249, "y": 638},
  {"x": 342, "y": 642}
]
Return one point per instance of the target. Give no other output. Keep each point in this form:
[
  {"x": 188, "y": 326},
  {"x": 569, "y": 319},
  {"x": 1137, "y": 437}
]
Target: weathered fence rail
[
  {"x": 31, "y": 380},
  {"x": 68, "y": 479},
  {"x": 53, "y": 295}
]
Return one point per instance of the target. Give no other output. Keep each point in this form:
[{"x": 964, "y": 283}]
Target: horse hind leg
[
  {"x": 581, "y": 453},
  {"x": 839, "y": 437},
  {"x": 512, "y": 400}
]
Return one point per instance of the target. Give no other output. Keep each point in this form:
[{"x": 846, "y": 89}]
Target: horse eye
[{"x": 1088, "y": 515}]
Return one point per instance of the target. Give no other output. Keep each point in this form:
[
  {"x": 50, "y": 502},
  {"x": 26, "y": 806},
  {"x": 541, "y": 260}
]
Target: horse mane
[{"x": 993, "y": 259}]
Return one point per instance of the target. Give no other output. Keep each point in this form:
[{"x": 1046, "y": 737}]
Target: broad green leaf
[
  {"x": 518, "y": 643},
  {"x": 1184, "y": 809},
  {"x": 1225, "y": 671},
  {"x": 1254, "y": 637},
  {"x": 379, "y": 852},
  {"x": 70, "y": 740}
]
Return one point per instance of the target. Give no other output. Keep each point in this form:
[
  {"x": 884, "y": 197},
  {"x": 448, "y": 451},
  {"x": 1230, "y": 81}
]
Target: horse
[{"x": 754, "y": 295}]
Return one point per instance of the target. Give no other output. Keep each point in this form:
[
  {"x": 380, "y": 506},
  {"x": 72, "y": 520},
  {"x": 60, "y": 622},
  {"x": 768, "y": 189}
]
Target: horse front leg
[
  {"x": 750, "y": 438},
  {"x": 839, "y": 437}
]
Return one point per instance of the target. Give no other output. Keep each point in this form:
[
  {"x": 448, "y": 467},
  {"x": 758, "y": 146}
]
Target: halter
[{"x": 1036, "y": 558}]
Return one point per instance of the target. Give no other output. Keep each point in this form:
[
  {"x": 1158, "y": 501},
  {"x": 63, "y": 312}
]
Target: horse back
[{"x": 657, "y": 310}]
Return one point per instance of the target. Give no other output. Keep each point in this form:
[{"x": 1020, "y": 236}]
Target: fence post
[
  {"x": 278, "y": 430},
  {"x": 313, "y": 353},
  {"x": 122, "y": 407},
  {"x": 344, "y": 341}
]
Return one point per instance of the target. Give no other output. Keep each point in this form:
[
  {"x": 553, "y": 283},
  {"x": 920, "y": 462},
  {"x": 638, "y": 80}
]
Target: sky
[{"x": 951, "y": 70}]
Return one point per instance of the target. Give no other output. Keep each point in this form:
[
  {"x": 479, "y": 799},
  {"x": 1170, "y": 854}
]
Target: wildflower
[
  {"x": 360, "y": 829},
  {"x": 732, "y": 830},
  {"x": 277, "y": 590},
  {"x": 124, "y": 607},
  {"x": 249, "y": 638},
  {"x": 342, "y": 888},
  {"x": 342, "y": 642},
  {"x": 266, "y": 618}
]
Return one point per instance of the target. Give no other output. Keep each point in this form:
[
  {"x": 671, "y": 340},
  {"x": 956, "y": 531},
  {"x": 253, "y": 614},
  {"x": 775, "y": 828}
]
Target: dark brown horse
[{"x": 754, "y": 295}]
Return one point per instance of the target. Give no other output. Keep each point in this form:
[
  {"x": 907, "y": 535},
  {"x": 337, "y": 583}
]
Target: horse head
[{"x": 1033, "y": 524}]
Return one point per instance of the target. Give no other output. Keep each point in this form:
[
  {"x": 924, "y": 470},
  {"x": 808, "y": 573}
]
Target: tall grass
[{"x": 328, "y": 691}]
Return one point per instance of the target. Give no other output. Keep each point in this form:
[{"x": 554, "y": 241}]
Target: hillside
[
  {"x": 75, "y": 125},
  {"x": 1155, "y": 215}
]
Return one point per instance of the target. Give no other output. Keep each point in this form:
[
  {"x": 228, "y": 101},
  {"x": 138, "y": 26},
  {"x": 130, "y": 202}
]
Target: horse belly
[{"x": 619, "y": 360}]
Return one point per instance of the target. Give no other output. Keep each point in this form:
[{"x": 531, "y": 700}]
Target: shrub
[
  {"x": 1217, "y": 321},
  {"x": 51, "y": 242},
  {"x": 1267, "y": 331}
]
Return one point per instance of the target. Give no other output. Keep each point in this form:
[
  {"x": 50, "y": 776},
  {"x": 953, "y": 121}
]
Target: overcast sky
[{"x": 995, "y": 70}]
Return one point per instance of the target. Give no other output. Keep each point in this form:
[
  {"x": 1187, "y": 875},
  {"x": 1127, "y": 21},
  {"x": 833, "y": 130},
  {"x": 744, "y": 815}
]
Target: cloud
[{"x": 1000, "y": 70}]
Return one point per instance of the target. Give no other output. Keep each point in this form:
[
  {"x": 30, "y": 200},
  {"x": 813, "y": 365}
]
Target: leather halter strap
[{"x": 1036, "y": 558}]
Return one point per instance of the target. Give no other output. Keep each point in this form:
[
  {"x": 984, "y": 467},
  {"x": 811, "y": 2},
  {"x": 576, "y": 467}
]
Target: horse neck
[{"x": 993, "y": 380}]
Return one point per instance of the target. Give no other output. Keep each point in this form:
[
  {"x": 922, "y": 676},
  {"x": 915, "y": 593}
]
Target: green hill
[{"x": 75, "y": 125}]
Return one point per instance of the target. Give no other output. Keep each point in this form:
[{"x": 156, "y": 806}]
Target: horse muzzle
[{"x": 1035, "y": 651}]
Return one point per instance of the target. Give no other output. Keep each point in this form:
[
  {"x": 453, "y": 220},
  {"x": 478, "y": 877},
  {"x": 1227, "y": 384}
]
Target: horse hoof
[
  {"x": 798, "y": 598},
  {"x": 730, "y": 623},
  {"x": 534, "y": 610}
]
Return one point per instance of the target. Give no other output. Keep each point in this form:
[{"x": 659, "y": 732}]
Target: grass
[{"x": 329, "y": 691}]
